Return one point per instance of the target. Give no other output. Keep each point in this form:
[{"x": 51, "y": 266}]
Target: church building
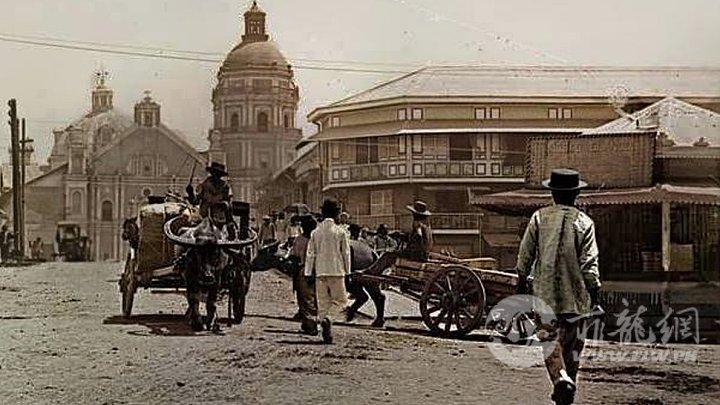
[
  {"x": 103, "y": 166},
  {"x": 254, "y": 103}
]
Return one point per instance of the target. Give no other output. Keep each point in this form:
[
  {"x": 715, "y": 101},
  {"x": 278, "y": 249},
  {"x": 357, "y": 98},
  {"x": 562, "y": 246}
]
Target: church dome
[{"x": 255, "y": 54}]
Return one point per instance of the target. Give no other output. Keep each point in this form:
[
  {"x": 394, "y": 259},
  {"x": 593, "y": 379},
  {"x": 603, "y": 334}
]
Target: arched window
[
  {"x": 235, "y": 121},
  {"x": 76, "y": 203},
  {"x": 106, "y": 211},
  {"x": 286, "y": 121},
  {"x": 262, "y": 122},
  {"x": 104, "y": 136}
]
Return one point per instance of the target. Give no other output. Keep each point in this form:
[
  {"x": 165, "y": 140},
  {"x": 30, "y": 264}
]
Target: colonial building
[
  {"x": 102, "y": 168},
  {"x": 441, "y": 132},
  {"x": 254, "y": 104},
  {"x": 299, "y": 181}
]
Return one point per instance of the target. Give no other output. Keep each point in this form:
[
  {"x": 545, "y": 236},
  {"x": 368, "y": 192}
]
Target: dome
[
  {"x": 91, "y": 122},
  {"x": 263, "y": 53}
]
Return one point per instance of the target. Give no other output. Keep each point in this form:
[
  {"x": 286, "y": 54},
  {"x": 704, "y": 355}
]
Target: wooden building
[{"x": 441, "y": 132}]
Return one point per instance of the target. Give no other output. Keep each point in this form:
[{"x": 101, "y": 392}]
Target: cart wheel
[
  {"x": 128, "y": 286},
  {"x": 453, "y": 302}
]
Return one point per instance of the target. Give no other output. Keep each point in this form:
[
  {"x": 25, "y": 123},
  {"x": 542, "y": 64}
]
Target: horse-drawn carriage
[
  {"x": 172, "y": 248},
  {"x": 453, "y": 294}
]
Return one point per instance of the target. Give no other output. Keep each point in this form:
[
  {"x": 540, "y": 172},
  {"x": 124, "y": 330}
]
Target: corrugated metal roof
[
  {"x": 685, "y": 123},
  {"x": 545, "y": 81},
  {"x": 647, "y": 195}
]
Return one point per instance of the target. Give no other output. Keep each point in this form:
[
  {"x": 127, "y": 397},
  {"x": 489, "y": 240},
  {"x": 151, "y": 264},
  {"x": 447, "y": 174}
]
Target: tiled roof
[
  {"x": 683, "y": 122},
  {"x": 646, "y": 195},
  {"x": 545, "y": 81}
]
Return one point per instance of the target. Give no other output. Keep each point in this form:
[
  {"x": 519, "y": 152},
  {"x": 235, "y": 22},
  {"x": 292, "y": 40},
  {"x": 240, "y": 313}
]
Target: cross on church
[{"x": 101, "y": 75}]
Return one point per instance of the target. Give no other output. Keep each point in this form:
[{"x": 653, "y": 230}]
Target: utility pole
[
  {"x": 15, "y": 152},
  {"x": 23, "y": 150}
]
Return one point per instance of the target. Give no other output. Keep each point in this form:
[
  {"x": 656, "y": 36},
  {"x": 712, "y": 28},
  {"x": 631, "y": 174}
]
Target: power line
[{"x": 157, "y": 53}]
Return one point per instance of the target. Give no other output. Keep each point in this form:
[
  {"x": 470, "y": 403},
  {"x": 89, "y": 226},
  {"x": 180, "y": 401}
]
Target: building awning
[
  {"x": 501, "y": 240},
  {"x": 527, "y": 198}
]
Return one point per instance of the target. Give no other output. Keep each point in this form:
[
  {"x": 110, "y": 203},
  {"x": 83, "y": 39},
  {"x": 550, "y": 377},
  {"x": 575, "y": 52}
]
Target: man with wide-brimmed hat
[
  {"x": 420, "y": 239},
  {"x": 328, "y": 261},
  {"x": 560, "y": 254},
  {"x": 268, "y": 232},
  {"x": 213, "y": 191}
]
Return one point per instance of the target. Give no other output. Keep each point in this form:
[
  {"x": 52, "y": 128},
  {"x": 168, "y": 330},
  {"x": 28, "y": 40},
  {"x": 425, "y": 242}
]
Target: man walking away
[
  {"x": 362, "y": 257},
  {"x": 559, "y": 247},
  {"x": 328, "y": 260},
  {"x": 304, "y": 291}
]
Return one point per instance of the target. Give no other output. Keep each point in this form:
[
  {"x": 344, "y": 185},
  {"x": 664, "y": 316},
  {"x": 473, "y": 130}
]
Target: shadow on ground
[{"x": 160, "y": 325}]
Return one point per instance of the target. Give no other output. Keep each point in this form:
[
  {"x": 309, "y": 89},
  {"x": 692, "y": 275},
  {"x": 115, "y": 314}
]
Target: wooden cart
[
  {"x": 453, "y": 294},
  {"x": 152, "y": 264}
]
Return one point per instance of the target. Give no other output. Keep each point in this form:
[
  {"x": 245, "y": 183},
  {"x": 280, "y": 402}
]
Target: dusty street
[{"x": 62, "y": 341}]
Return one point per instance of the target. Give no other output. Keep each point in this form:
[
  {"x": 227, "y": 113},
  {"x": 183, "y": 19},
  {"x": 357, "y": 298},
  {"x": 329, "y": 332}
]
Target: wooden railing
[
  {"x": 439, "y": 221},
  {"x": 417, "y": 168}
]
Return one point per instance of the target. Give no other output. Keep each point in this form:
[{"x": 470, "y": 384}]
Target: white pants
[{"x": 331, "y": 296}]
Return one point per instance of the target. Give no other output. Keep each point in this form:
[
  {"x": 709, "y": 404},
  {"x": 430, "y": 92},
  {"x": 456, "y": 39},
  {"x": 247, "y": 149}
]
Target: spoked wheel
[
  {"x": 128, "y": 286},
  {"x": 453, "y": 302}
]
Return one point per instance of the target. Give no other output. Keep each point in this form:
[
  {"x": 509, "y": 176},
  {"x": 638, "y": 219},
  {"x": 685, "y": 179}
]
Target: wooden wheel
[
  {"x": 128, "y": 286},
  {"x": 453, "y": 302}
]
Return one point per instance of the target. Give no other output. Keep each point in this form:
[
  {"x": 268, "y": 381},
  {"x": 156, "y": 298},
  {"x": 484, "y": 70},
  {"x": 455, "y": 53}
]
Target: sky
[{"x": 53, "y": 85}]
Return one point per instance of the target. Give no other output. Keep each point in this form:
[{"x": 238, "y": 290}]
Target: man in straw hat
[
  {"x": 560, "y": 254},
  {"x": 213, "y": 191},
  {"x": 420, "y": 239},
  {"x": 328, "y": 260}
]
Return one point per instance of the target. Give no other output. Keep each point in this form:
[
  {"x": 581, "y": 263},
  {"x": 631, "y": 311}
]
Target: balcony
[
  {"x": 423, "y": 169},
  {"x": 439, "y": 222}
]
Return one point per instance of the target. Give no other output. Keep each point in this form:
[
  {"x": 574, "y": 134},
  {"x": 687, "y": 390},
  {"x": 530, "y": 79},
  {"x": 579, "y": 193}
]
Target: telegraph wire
[
  {"x": 108, "y": 50},
  {"x": 192, "y": 52}
]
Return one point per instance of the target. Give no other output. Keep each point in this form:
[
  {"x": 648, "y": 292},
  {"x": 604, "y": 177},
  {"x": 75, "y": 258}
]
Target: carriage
[
  {"x": 154, "y": 251},
  {"x": 453, "y": 294}
]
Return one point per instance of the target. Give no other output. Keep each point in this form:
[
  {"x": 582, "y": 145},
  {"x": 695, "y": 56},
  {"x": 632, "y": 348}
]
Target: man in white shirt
[{"x": 328, "y": 260}]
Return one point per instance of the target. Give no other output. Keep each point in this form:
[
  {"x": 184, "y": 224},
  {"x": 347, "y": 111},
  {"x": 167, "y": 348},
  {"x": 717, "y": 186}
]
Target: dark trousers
[
  {"x": 305, "y": 295},
  {"x": 565, "y": 353},
  {"x": 361, "y": 292}
]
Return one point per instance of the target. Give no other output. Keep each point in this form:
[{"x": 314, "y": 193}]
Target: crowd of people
[
  {"x": 327, "y": 249},
  {"x": 557, "y": 263}
]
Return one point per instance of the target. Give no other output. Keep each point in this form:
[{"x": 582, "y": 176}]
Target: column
[{"x": 665, "y": 230}]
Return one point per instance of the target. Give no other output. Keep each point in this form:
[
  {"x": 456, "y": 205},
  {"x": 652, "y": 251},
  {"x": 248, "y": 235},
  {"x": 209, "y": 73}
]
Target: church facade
[
  {"x": 254, "y": 104},
  {"x": 103, "y": 167}
]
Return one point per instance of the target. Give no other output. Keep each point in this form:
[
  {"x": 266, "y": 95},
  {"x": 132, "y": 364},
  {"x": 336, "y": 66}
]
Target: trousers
[
  {"x": 331, "y": 296},
  {"x": 305, "y": 295},
  {"x": 565, "y": 353}
]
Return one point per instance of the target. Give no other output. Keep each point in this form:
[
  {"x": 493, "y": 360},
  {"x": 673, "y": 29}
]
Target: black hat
[
  {"x": 564, "y": 180},
  {"x": 419, "y": 208},
  {"x": 217, "y": 167},
  {"x": 330, "y": 208}
]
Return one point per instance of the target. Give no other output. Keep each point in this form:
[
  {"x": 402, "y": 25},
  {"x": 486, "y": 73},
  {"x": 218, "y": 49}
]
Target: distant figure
[
  {"x": 36, "y": 249},
  {"x": 420, "y": 239},
  {"x": 559, "y": 252},
  {"x": 268, "y": 233},
  {"x": 382, "y": 242},
  {"x": 4, "y": 245},
  {"x": 281, "y": 227},
  {"x": 344, "y": 222},
  {"x": 328, "y": 260}
]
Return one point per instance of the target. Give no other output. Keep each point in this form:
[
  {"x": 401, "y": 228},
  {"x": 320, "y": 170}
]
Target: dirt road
[{"x": 62, "y": 341}]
